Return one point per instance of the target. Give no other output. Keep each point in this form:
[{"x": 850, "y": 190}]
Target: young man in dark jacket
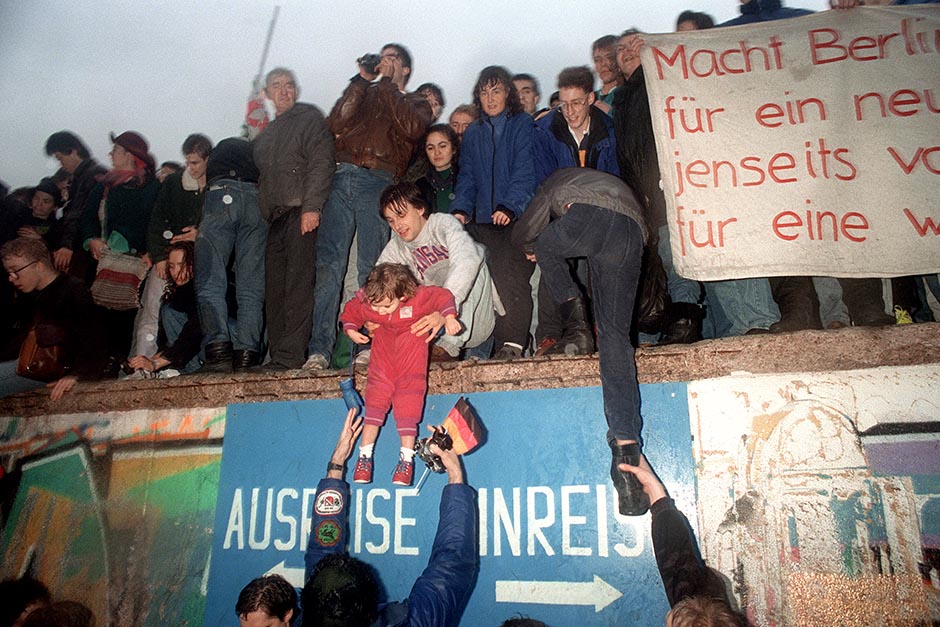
[
  {"x": 75, "y": 159},
  {"x": 341, "y": 590}
]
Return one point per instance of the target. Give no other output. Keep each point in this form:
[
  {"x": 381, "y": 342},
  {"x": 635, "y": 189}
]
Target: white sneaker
[
  {"x": 316, "y": 362},
  {"x": 362, "y": 359}
]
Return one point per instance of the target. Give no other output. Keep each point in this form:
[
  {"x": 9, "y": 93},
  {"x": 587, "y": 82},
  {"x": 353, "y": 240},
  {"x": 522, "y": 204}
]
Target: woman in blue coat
[{"x": 494, "y": 187}]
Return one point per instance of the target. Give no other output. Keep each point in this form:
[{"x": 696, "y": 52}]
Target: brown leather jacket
[{"x": 378, "y": 127}]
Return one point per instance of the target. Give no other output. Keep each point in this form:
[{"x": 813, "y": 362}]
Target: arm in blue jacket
[
  {"x": 521, "y": 185},
  {"x": 465, "y": 191},
  {"x": 439, "y": 595}
]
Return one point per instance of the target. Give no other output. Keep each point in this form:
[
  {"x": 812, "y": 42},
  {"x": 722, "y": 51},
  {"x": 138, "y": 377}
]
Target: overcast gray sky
[{"x": 167, "y": 69}]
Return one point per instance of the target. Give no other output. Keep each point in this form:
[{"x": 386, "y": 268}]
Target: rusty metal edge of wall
[{"x": 806, "y": 351}]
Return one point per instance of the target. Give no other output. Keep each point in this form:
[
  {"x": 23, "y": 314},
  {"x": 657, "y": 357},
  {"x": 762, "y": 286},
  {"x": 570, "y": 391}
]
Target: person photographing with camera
[
  {"x": 377, "y": 126},
  {"x": 342, "y": 590}
]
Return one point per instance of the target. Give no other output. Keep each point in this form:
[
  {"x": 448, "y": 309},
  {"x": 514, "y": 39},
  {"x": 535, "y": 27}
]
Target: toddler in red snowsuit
[{"x": 408, "y": 316}]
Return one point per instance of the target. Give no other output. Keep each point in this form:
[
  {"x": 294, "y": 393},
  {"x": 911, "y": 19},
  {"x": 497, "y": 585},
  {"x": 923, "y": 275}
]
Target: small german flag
[{"x": 464, "y": 427}]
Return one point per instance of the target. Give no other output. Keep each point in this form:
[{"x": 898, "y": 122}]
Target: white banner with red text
[{"x": 808, "y": 146}]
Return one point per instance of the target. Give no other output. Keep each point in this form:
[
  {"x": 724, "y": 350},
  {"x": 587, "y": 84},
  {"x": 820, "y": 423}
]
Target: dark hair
[
  {"x": 702, "y": 21},
  {"x": 528, "y": 77},
  {"x": 451, "y": 135},
  {"x": 176, "y": 166},
  {"x": 704, "y": 612},
  {"x": 580, "y": 77},
  {"x": 61, "y": 614},
  {"x": 523, "y": 621},
  {"x": 631, "y": 31},
  {"x": 29, "y": 249},
  {"x": 189, "y": 255},
  {"x": 60, "y": 176},
  {"x": 554, "y": 99},
  {"x": 199, "y": 144},
  {"x": 16, "y": 595},
  {"x": 495, "y": 74},
  {"x": 602, "y": 43},
  {"x": 434, "y": 89},
  {"x": 65, "y": 142},
  {"x": 342, "y": 591},
  {"x": 394, "y": 198},
  {"x": 404, "y": 54},
  {"x": 390, "y": 280},
  {"x": 271, "y": 594}
]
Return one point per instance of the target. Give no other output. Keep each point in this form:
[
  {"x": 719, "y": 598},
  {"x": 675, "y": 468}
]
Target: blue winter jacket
[
  {"x": 555, "y": 148},
  {"x": 439, "y": 595},
  {"x": 497, "y": 167}
]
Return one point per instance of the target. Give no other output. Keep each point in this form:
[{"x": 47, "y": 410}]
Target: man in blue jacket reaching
[{"x": 343, "y": 591}]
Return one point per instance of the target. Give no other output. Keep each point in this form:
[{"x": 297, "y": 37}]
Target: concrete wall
[{"x": 818, "y": 499}]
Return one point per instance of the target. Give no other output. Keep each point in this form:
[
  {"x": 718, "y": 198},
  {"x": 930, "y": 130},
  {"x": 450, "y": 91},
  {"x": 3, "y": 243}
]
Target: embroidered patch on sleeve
[
  {"x": 328, "y": 503},
  {"x": 327, "y": 533}
]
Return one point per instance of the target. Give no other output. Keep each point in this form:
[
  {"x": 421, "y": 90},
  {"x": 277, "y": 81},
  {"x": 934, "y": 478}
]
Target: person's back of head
[
  {"x": 271, "y": 594},
  {"x": 703, "y": 612},
  {"x": 342, "y": 592},
  {"x": 523, "y": 622},
  {"x": 18, "y": 595},
  {"x": 61, "y": 614}
]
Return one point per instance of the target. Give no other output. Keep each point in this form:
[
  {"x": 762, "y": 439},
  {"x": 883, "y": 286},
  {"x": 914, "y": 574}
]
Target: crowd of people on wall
[{"x": 240, "y": 258}]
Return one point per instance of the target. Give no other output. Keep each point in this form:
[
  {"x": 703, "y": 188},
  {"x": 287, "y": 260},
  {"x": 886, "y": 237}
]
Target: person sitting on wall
[
  {"x": 64, "y": 315},
  {"x": 440, "y": 252},
  {"x": 180, "y": 335},
  {"x": 268, "y": 601},
  {"x": 342, "y": 590}
]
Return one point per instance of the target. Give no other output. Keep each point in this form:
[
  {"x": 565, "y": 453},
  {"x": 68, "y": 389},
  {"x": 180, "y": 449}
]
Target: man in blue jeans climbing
[{"x": 581, "y": 212}]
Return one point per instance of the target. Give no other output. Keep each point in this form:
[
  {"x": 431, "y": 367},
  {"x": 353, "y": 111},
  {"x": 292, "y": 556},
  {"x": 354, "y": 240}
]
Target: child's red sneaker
[
  {"x": 404, "y": 472},
  {"x": 363, "y": 471}
]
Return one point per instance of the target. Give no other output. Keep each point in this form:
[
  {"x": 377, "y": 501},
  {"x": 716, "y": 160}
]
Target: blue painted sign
[{"x": 552, "y": 544}]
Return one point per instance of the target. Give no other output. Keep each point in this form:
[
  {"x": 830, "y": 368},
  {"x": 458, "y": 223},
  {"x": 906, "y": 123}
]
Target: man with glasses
[
  {"x": 63, "y": 315},
  {"x": 377, "y": 126},
  {"x": 576, "y": 134}
]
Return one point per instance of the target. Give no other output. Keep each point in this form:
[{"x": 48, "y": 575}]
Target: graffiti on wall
[
  {"x": 114, "y": 511},
  {"x": 805, "y": 494}
]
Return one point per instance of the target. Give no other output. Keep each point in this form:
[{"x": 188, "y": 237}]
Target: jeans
[
  {"x": 613, "y": 246},
  {"x": 351, "y": 210},
  {"x": 231, "y": 220},
  {"x": 740, "y": 305},
  {"x": 681, "y": 289},
  {"x": 832, "y": 309},
  {"x": 173, "y": 322},
  {"x": 12, "y": 383}
]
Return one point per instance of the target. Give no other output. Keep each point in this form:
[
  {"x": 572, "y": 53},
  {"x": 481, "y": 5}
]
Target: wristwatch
[{"x": 332, "y": 466}]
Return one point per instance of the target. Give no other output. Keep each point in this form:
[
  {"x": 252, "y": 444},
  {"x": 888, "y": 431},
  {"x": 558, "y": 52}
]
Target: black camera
[
  {"x": 423, "y": 449},
  {"x": 369, "y": 61}
]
